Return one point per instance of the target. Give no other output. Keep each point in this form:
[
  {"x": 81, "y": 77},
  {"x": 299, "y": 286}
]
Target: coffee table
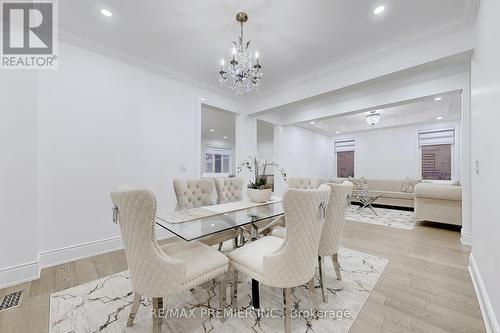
[{"x": 366, "y": 198}]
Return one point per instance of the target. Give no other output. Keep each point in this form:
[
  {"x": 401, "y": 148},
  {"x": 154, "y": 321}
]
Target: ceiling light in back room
[
  {"x": 212, "y": 130},
  {"x": 438, "y": 99},
  {"x": 106, "y": 12},
  {"x": 312, "y": 122},
  {"x": 379, "y": 10},
  {"x": 439, "y": 118}
]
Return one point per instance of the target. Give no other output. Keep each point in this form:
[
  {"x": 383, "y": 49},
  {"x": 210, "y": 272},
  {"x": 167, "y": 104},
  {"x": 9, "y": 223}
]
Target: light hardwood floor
[{"x": 425, "y": 287}]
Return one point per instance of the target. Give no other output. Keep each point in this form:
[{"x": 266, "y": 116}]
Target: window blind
[
  {"x": 344, "y": 145},
  {"x": 437, "y": 137},
  {"x": 218, "y": 150}
]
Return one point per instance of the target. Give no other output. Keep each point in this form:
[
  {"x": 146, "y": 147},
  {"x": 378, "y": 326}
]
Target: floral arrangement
[{"x": 258, "y": 166}]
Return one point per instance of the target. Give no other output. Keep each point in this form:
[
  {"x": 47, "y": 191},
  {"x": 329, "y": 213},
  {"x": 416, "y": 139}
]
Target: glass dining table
[{"x": 197, "y": 223}]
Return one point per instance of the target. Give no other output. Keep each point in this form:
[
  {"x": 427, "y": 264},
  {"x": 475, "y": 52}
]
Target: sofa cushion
[
  {"x": 409, "y": 185},
  {"x": 385, "y": 185},
  {"x": 357, "y": 182},
  {"x": 438, "y": 191},
  {"x": 393, "y": 194}
]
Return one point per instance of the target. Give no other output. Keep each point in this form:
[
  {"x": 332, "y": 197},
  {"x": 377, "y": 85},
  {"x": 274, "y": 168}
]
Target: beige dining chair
[
  {"x": 277, "y": 227},
  {"x": 157, "y": 272},
  {"x": 289, "y": 262},
  {"x": 193, "y": 193},
  {"x": 305, "y": 182},
  {"x": 229, "y": 189},
  {"x": 332, "y": 230}
]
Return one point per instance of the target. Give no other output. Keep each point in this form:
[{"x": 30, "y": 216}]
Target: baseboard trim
[
  {"x": 11, "y": 276},
  {"x": 489, "y": 318},
  {"x": 466, "y": 237},
  {"x": 80, "y": 251},
  {"x": 71, "y": 253}
]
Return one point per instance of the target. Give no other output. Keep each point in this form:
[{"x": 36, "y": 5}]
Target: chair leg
[
  {"x": 234, "y": 290},
  {"x": 336, "y": 265},
  {"x": 157, "y": 305},
  {"x": 134, "y": 309},
  {"x": 312, "y": 293},
  {"x": 220, "y": 246},
  {"x": 287, "y": 302},
  {"x": 235, "y": 242},
  {"x": 321, "y": 280},
  {"x": 222, "y": 292}
]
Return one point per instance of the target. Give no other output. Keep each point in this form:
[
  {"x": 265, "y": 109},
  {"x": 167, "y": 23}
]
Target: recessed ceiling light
[
  {"x": 379, "y": 10},
  {"x": 106, "y": 12},
  {"x": 439, "y": 118},
  {"x": 338, "y": 132},
  {"x": 438, "y": 98},
  {"x": 312, "y": 122},
  {"x": 212, "y": 130},
  {"x": 225, "y": 137}
]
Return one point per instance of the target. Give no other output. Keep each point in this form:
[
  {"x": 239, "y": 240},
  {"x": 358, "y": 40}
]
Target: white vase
[{"x": 260, "y": 196}]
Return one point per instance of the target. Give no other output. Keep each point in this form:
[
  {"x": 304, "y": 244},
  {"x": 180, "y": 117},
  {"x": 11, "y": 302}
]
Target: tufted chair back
[
  {"x": 294, "y": 264},
  {"x": 193, "y": 193},
  {"x": 152, "y": 272},
  {"x": 335, "y": 218},
  {"x": 229, "y": 189},
  {"x": 305, "y": 183}
]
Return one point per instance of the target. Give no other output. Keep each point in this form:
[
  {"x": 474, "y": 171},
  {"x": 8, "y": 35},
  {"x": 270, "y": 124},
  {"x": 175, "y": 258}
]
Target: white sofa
[
  {"x": 438, "y": 203},
  {"x": 391, "y": 191}
]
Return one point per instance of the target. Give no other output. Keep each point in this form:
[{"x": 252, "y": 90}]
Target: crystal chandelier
[
  {"x": 244, "y": 72},
  {"x": 373, "y": 118}
]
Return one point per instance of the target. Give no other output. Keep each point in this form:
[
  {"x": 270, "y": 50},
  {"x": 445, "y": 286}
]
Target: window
[
  {"x": 344, "y": 154},
  {"x": 218, "y": 162},
  {"x": 436, "y": 154}
]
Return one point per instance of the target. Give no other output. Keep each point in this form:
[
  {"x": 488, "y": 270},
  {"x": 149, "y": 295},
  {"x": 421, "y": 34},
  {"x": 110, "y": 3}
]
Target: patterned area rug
[
  {"x": 396, "y": 218},
  {"x": 104, "y": 305}
]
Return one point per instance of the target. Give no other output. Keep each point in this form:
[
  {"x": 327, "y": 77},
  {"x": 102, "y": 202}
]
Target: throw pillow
[
  {"x": 409, "y": 185},
  {"x": 357, "y": 182}
]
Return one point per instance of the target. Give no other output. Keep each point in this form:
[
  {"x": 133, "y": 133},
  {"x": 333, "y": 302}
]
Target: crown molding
[
  {"x": 473, "y": 11},
  {"x": 349, "y": 63},
  {"x": 320, "y": 73},
  {"x": 88, "y": 46}
]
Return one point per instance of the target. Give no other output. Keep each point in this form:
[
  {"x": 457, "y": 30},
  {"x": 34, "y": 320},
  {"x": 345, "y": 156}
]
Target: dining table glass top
[{"x": 196, "y": 223}]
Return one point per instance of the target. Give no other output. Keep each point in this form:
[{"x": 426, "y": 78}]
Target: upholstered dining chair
[
  {"x": 193, "y": 193},
  {"x": 155, "y": 271},
  {"x": 305, "y": 182},
  {"x": 289, "y": 262},
  {"x": 196, "y": 193},
  {"x": 333, "y": 228},
  {"x": 229, "y": 189}
]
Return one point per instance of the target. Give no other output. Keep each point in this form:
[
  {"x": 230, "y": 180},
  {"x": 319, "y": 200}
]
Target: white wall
[
  {"x": 265, "y": 141},
  {"x": 103, "y": 123},
  {"x": 70, "y": 135},
  {"x": 485, "y": 84},
  {"x": 393, "y": 153},
  {"x": 303, "y": 153},
  {"x": 18, "y": 176}
]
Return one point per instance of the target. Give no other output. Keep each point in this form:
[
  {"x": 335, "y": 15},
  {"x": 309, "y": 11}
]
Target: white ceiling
[
  {"x": 421, "y": 111},
  {"x": 220, "y": 121},
  {"x": 295, "y": 38}
]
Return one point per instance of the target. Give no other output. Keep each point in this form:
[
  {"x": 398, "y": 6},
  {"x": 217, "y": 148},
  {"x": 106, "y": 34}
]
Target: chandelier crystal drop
[{"x": 244, "y": 72}]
